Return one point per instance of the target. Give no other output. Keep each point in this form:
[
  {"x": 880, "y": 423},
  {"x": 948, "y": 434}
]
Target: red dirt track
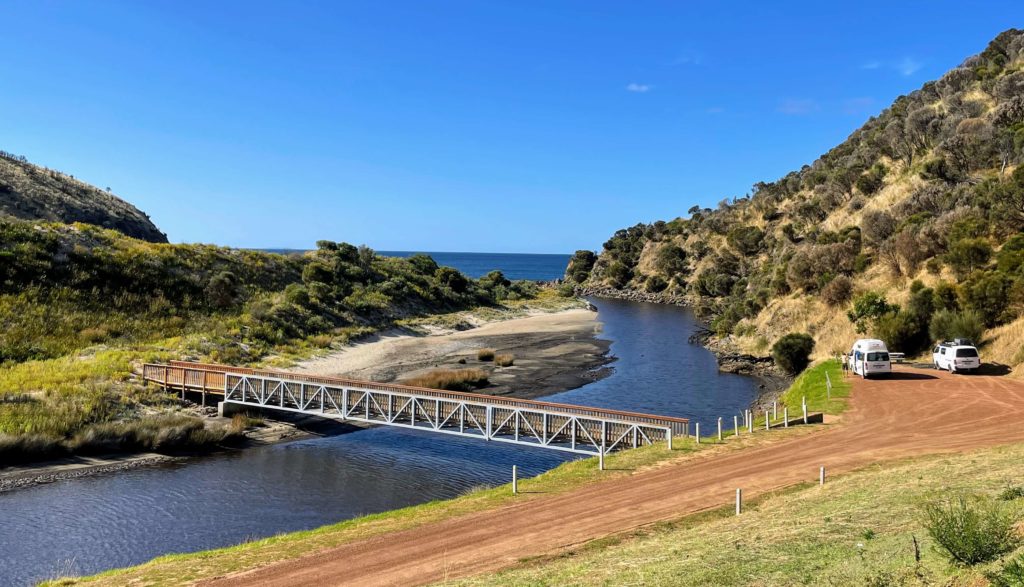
[{"x": 916, "y": 412}]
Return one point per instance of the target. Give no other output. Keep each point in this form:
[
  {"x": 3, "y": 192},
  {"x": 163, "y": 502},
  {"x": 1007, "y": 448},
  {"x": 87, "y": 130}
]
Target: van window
[
  {"x": 942, "y": 351},
  {"x": 966, "y": 352},
  {"x": 877, "y": 357}
]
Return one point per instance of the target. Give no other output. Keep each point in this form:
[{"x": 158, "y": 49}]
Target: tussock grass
[
  {"x": 485, "y": 355},
  {"x": 450, "y": 379},
  {"x": 504, "y": 360}
]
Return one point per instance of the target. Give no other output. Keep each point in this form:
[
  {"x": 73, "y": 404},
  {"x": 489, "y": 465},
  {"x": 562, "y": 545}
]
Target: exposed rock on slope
[{"x": 30, "y": 192}]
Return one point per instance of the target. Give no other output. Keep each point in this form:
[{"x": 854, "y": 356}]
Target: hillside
[
  {"x": 909, "y": 230},
  {"x": 30, "y": 192}
]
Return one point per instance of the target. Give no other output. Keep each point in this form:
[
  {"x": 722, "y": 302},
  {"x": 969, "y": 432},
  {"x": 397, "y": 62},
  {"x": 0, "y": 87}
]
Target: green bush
[
  {"x": 580, "y": 265},
  {"x": 792, "y": 352},
  {"x": 949, "y": 324},
  {"x": 902, "y": 332},
  {"x": 968, "y": 254},
  {"x": 971, "y": 530},
  {"x": 1010, "y": 575}
]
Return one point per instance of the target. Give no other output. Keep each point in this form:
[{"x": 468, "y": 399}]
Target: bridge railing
[{"x": 212, "y": 378}]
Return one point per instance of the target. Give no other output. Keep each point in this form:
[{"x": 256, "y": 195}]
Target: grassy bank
[
  {"x": 857, "y": 530},
  {"x": 178, "y": 568},
  {"x": 812, "y": 385}
]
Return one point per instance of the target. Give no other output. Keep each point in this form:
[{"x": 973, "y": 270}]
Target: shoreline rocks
[{"x": 630, "y": 295}]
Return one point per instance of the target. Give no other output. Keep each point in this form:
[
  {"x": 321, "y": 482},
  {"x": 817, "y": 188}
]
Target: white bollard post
[
  {"x": 785, "y": 417},
  {"x": 750, "y": 421},
  {"x": 805, "y": 413},
  {"x": 739, "y": 501},
  {"x": 696, "y": 432},
  {"x": 600, "y": 460},
  {"x": 719, "y": 429},
  {"x": 515, "y": 481},
  {"x": 775, "y": 410},
  {"x": 736, "y": 426},
  {"x": 767, "y": 421},
  {"x": 821, "y": 476}
]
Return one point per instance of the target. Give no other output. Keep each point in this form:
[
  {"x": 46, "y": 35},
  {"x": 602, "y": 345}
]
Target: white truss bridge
[{"x": 565, "y": 427}]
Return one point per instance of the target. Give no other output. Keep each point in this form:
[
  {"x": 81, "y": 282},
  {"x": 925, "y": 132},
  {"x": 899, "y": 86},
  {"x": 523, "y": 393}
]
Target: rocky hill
[
  {"x": 31, "y": 192},
  {"x": 909, "y": 230}
]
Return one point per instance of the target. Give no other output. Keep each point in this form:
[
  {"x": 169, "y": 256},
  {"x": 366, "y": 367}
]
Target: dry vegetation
[
  {"x": 929, "y": 192},
  {"x": 450, "y": 379}
]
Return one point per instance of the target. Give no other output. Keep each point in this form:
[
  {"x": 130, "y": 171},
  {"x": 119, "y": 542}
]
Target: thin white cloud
[
  {"x": 639, "y": 88},
  {"x": 905, "y": 66},
  {"x": 798, "y": 107},
  {"x": 908, "y": 65}
]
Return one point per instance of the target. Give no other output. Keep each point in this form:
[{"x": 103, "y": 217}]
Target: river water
[{"x": 88, "y": 525}]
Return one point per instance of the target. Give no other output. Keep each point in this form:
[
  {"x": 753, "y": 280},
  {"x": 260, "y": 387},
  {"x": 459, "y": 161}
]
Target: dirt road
[{"x": 915, "y": 412}]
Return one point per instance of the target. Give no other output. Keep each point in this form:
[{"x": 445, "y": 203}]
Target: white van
[
  {"x": 869, "y": 357},
  {"x": 956, "y": 356}
]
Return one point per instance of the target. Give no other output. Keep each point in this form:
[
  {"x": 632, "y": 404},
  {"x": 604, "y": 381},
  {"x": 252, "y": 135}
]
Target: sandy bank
[{"x": 553, "y": 352}]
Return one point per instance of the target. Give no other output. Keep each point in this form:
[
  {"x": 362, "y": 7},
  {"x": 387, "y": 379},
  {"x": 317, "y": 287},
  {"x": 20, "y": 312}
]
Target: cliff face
[
  {"x": 30, "y": 192},
  {"x": 928, "y": 195}
]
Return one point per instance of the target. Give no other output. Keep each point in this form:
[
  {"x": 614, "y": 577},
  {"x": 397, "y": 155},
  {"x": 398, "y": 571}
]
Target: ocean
[
  {"x": 536, "y": 267},
  {"x": 513, "y": 265}
]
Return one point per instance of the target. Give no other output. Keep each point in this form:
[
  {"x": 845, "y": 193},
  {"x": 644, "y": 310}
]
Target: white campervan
[{"x": 869, "y": 357}]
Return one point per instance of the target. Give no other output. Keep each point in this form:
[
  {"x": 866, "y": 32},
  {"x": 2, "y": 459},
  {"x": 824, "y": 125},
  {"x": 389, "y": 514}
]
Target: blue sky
[{"x": 453, "y": 125}]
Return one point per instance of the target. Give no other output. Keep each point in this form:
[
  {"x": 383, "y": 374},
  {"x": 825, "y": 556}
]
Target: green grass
[
  {"x": 811, "y": 384},
  {"x": 857, "y": 530},
  {"x": 177, "y": 568}
]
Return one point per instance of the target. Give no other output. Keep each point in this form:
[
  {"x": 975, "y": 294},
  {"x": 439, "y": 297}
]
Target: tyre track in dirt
[{"x": 916, "y": 412}]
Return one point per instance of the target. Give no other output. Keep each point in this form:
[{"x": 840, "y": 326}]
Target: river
[{"x": 83, "y": 526}]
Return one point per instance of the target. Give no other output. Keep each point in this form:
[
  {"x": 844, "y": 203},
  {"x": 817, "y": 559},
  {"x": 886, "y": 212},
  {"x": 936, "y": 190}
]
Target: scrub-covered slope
[
  {"x": 908, "y": 230},
  {"x": 30, "y": 192}
]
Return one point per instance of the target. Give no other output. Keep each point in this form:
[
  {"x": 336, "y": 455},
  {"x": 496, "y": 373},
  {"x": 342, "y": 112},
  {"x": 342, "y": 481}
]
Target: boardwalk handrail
[{"x": 176, "y": 373}]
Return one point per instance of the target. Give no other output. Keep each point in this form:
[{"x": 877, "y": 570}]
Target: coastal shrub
[
  {"x": 902, "y": 332},
  {"x": 988, "y": 293},
  {"x": 450, "y": 379},
  {"x": 792, "y": 352},
  {"x": 867, "y": 307},
  {"x": 968, "y": 254},
  {"x": 950, "y": 324},
  {"x": 1009, "y": 575},
  {"x": 580, "y": 265},
  {"x": 505, "y": 360},
  {"x": 485, "y": 355},
  {"x": 1012, "y": 492},
  {"x": 838, "y": 291},
  {"x": 970, "y": 530}
]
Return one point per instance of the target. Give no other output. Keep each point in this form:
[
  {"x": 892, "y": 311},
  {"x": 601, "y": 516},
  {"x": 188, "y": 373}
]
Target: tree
[
  {"x": 988, "y": 293},
  {"x": 792, "y": 352},
  {"x": 968, "y": 254},
  {"x": 867, "y": 307},
  {"x": 580, "y": 265},
  {"x": 670, "y": 260},
  {"x": 746, "y": 239},
  {"x": 949, "y": 324}
]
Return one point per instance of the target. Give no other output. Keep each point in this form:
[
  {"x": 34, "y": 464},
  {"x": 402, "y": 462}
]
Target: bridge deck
[{"x": 566, "y": 427}]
